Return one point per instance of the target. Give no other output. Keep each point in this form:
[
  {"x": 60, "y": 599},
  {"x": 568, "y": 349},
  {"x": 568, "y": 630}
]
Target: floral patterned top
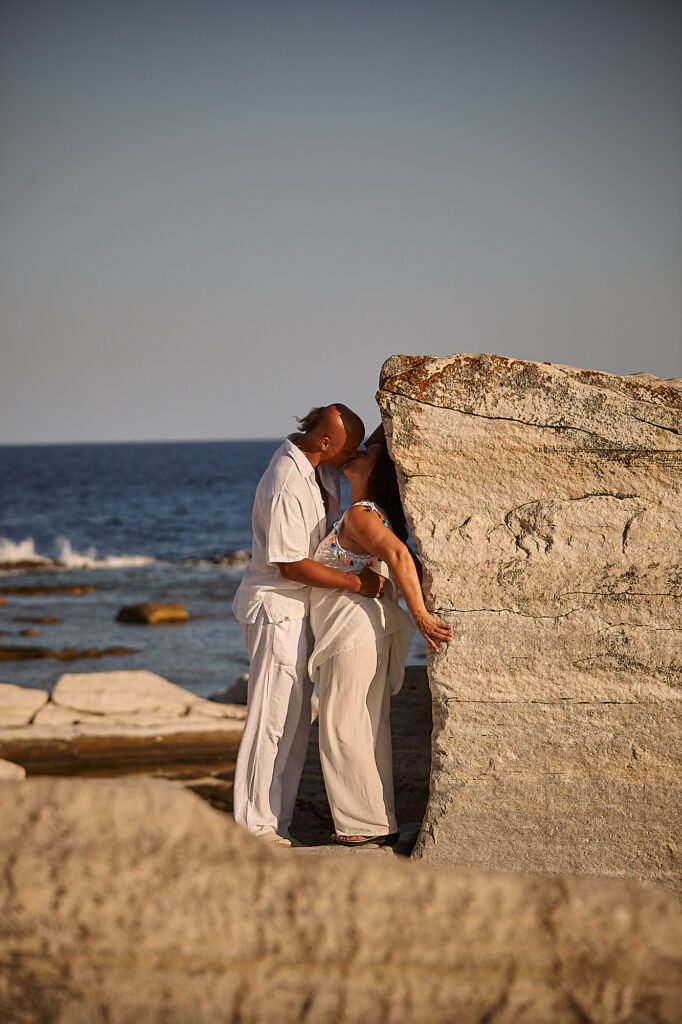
[{"x": 330, "y": 552}]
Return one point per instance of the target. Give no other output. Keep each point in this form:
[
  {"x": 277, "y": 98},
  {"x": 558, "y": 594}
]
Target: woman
[{"x": 360, "y": 649}]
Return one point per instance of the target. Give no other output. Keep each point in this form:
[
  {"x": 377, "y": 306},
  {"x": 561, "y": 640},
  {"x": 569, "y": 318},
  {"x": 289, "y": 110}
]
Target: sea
[{"x": 128, "y": 523}]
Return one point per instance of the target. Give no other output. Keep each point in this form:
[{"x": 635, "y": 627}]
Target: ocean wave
[
  {"x": 23, "y": 555},
  {"x": 70, "y": 559}
]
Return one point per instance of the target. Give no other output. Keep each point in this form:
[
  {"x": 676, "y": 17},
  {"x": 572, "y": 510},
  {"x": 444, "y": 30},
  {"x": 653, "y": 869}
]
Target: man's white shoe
[{"x": 273, "y": 839}]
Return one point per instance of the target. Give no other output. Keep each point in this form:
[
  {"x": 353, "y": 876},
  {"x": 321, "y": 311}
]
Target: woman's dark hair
[{"x": 382, "y": 487}]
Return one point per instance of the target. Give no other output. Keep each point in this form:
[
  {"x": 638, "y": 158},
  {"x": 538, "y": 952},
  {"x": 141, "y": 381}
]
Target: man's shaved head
[{"x": 333, "y": 432}]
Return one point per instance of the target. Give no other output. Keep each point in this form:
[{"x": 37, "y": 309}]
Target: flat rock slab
[
  {"x": 105, "y": 693},
  {"x": 153, "y": 613},
  {"x": 547, "y": 505},
  {"x": 10, "y": 770},
  {"x": 19, "y": 705},
  {"x": 205, "y": 924},
  {"x": 108, "y": 749},
  {"x": 113, "y": 717}
]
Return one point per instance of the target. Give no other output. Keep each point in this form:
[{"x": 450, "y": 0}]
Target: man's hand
[{"x": 371, "y": 583}]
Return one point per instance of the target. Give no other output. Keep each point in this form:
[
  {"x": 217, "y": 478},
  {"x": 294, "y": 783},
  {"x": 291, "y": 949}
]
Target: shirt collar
[{"x": 305, "y": 466}]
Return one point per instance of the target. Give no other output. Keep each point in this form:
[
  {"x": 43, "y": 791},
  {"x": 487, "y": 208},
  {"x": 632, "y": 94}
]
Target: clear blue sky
[{"x": 215, "y": 215}]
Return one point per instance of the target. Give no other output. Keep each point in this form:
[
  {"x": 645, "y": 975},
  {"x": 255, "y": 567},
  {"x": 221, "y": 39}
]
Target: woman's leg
[{"x": 355, "y": 741}]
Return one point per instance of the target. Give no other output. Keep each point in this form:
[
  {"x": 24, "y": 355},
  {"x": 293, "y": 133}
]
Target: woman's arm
[{"x": 364, "y": 530}]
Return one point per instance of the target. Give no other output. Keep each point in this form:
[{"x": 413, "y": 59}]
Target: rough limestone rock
[
  {"x": 19, "y": 704},
  {"x": 10, "y": 770},
  {"x": 134, "y": 901},
  {"x": 547, "y": 505},
  {"x": 153, "y": 613}
]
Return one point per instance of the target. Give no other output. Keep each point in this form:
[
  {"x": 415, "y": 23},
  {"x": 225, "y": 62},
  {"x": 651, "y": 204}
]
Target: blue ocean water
[{"x": 138, "y": 522}]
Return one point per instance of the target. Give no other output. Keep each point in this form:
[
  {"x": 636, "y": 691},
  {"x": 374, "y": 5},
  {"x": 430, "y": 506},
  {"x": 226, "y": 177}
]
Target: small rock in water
[
  {"x": 29, "y": 632},
  {"x": 152, "y": 613},
  {"x": 38, "y": 591},
  {"x": 39, "y": 620},
  {"x": 11, "y": 652},
  {"x": 75, "y": 653}
]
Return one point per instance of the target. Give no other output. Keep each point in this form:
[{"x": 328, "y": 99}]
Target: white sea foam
[
  {"x": 24, "y": 552},
  {"x": 71, "y": 559},
  {"x": 12, "y": 553}
]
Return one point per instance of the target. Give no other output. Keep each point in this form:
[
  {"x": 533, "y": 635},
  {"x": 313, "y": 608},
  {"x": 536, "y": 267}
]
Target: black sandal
[{"x": 387, "y": 840}]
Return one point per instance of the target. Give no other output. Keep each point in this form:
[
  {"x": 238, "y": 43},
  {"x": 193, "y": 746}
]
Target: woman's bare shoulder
[
  {"x": 363, "y": 519},
  {"x": 360, "y": 513}
]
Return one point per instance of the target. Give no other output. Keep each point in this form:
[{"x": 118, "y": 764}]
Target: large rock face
[
  {"x": 131, "y": 901},
  {"x": 547, "y": 505}
]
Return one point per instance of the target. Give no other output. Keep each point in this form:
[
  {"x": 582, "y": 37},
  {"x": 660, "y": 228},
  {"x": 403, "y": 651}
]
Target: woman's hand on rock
[{"x": 435, "y": 631}]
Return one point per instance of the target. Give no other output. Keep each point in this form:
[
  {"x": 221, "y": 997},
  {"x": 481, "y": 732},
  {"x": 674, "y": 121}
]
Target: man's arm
[{"x": 314, "y": 574}]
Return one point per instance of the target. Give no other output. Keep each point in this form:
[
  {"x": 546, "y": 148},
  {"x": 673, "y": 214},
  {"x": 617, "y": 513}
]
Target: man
[{"x": 297, "y": 501}]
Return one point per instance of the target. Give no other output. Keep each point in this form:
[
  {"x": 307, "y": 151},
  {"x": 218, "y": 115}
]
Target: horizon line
[{"x": 197, "y": 440}]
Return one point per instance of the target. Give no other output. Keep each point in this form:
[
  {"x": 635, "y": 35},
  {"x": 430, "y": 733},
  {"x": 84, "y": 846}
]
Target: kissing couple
[{"x": 318, "y": 603}]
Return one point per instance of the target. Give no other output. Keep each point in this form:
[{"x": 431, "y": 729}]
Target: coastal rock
[
  {"x": 153, "y": 613},
  {"x": 235, "y": 694},
  {"x": 19, "y": 704},
  {"x": 356, "y": 939},
  {"x": 39, "y": 620},
  {"x": 10, "y": 770},
  {"x": 211, "y": 709},
  {"x": 116, "y": 693},
  {"x": 41, "y": 590},
  {"x": 54, "y": 715},
  {"x": 546, "y": 503},
  {"x": 12, "y": 652}
]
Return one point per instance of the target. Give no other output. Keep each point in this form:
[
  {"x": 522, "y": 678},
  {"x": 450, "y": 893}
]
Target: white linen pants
[
  {"x": 275, "y": 739},
  {"x": 355, "y": 740}
]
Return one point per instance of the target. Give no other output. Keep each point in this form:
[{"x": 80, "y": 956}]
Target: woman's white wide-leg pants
[
  {"x": 355, "y": 740},
  {"x": 275, "y": 739}
]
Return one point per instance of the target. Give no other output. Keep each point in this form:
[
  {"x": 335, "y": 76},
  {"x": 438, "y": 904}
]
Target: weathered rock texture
[
  {"x": 19, "y": 704},
  {"x": 547, "y": 505},
  {"x": 132, "y": 901},
  {"x": 10, "y": 770},
  {"x": 110, "y": 719}
]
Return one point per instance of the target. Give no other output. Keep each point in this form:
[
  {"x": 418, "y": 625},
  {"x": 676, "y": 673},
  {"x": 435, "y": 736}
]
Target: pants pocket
[{"x": 287, "y": 638}]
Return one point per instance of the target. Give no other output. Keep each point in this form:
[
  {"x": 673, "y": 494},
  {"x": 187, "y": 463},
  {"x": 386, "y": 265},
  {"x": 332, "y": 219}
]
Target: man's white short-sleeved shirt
[{"x": 289, "y": 521}]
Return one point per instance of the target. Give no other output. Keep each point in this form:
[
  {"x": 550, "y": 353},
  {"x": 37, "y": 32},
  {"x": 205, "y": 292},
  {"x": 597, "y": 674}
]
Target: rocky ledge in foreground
[
  {"x": 153, "y": 906},
  {"x": 108, "y": 719},
  {"x": 547, "y": 505}
]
